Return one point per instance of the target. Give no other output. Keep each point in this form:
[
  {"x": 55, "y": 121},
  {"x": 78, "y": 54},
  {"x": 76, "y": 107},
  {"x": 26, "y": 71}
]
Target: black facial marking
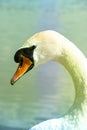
[
  {"x": 28, "y": 52},
  {"x": 21, "y": 62}
]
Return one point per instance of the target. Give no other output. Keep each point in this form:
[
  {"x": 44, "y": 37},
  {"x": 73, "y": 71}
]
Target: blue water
[{"x": 45, "y": 92}]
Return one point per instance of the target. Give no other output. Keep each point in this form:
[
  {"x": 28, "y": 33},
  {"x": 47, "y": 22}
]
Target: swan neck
[{"x": 75, "y": 62}]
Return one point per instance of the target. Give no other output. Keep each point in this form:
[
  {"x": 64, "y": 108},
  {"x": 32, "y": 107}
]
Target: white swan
[{"x": 50, "y": 45}]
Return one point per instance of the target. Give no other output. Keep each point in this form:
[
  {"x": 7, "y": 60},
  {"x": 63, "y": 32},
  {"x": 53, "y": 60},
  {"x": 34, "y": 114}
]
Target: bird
[{"x": 50, "y": 45}]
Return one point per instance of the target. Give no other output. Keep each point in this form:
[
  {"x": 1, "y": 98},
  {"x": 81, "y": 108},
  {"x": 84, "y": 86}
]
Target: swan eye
[{"x": 33, "y": 47}]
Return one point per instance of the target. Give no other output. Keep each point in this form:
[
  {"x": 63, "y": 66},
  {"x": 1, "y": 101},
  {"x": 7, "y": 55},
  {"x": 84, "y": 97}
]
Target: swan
[{"x": 51, "y": 45}]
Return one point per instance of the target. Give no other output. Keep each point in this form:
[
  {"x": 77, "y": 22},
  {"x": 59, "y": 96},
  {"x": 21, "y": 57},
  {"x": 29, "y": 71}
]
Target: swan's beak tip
[{"x": 12, "y": 82}]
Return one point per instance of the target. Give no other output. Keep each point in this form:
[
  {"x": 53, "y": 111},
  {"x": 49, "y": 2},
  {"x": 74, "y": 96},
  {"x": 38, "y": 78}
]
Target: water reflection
[{"x": 45, "y": 92}]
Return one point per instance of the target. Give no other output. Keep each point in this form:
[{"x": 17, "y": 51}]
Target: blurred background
[{"x": 46, "y": 92}]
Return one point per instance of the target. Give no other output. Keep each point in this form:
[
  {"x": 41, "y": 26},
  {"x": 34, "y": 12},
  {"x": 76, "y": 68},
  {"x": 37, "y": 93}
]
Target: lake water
[{"x": 46, "y": 92}]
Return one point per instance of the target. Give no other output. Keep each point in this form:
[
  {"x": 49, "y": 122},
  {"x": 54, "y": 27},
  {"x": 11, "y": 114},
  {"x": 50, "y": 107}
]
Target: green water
[{"x": 47, "y": 91}]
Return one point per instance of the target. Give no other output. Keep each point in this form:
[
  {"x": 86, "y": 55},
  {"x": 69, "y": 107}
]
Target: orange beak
[{"x": 22, "y": 69}]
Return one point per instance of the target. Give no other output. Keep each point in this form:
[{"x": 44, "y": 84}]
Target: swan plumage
[{"x": 50, "y": 45}]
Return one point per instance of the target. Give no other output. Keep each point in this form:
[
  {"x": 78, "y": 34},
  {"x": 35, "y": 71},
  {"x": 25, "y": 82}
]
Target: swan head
[{"x": 37, "y": 50}]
